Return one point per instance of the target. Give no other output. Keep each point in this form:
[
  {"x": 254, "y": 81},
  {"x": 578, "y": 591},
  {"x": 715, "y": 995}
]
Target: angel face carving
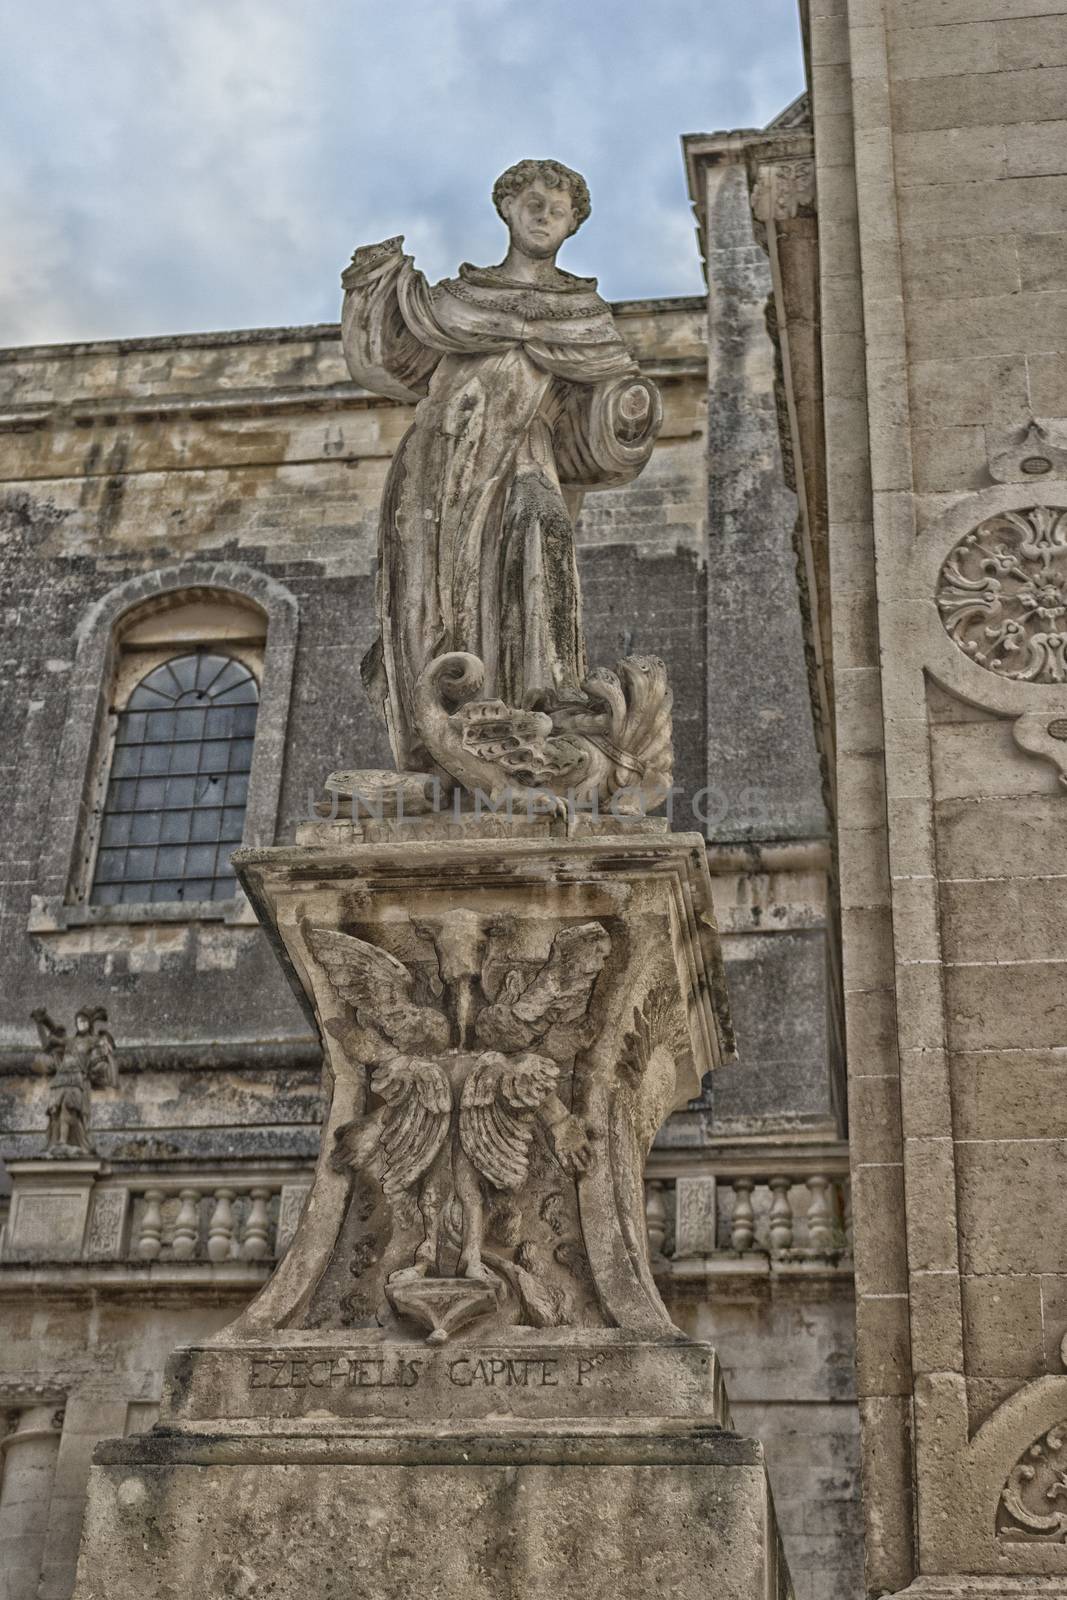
[{"x": 460, "y": 1091}]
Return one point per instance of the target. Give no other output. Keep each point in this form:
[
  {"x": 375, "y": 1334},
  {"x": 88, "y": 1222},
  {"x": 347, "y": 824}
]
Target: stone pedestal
[
  {"x": 461, "y": 1380},
  {"x": 49, "y": 1208}
]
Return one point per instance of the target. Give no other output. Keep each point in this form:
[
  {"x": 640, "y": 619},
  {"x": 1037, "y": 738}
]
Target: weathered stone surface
[
  {"x": 515, "y": 1515},
  {"x": 946, "y": 498}
]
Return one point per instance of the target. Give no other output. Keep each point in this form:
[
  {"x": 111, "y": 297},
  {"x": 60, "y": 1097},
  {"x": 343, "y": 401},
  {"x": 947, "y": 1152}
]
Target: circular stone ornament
[{"x": 1002, "y": 594}]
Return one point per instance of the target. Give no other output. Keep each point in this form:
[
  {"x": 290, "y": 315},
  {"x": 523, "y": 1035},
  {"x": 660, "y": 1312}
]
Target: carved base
[
  {"x": 609, "y": 1511},
  {"x": 444, "y": 1305}
]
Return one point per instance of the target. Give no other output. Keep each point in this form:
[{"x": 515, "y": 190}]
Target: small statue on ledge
[
  {"x": 79, "y": 1064},
  {"x": 527, "y": 397}
]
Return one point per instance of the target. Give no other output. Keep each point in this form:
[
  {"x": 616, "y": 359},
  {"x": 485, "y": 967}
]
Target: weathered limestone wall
[
  {"x": 942, "y": 218},
  {"x": 100, "y": 1358}
]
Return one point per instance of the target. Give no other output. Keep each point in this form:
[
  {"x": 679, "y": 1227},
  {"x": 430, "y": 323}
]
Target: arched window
[
  {"x": 117, "y": 770},
  {"x": 178, "y": 783}
]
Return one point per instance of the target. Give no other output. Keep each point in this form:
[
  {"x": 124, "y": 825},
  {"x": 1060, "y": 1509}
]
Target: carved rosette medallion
[
  {"x": 1033, "y": 1502},
  {"x": 1002, "y": 595}
]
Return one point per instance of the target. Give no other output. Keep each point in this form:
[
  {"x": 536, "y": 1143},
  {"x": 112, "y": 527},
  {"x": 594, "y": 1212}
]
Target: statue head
[
  {"x": 542, "y": 203},
  {"x": 82, "y": 1022}
]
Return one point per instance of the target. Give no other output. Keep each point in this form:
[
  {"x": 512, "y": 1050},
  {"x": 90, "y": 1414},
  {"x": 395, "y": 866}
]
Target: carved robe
[{"x": 522, "y": 407}]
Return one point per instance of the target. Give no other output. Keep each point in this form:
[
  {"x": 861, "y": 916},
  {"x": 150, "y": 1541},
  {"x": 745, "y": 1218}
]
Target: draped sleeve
[
  {"x": 382, "y": 351},
  {"x": 604, "y": 432}
]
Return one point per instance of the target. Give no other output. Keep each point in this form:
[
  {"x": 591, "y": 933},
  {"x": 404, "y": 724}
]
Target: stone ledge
[{"x": 658, "y": 1444}]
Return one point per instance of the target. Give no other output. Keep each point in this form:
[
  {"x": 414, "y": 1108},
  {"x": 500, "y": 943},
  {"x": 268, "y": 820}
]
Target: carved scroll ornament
[{"x": 1033, "y": 1502}]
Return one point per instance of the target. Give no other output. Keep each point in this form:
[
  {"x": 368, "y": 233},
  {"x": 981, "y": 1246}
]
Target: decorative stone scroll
[
  {"x": 1002, "y": 595},
  {"x": 1033, "y": 1502}
]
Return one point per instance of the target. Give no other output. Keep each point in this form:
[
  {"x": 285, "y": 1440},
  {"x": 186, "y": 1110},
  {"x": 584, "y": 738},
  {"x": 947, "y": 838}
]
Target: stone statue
[
  {"x": 79, "y": 1064},
  {"x": 527, "y": 398}
]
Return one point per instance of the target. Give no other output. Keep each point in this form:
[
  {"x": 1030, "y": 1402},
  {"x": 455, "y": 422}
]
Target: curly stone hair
[{"x": 551, "y": 173}]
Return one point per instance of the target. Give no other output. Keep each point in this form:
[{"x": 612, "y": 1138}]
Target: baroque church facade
[{"x": 847, "y": 549}]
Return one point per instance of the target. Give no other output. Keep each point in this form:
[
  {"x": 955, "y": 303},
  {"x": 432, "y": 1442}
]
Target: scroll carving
[{"x": 1033, "y": 1502}]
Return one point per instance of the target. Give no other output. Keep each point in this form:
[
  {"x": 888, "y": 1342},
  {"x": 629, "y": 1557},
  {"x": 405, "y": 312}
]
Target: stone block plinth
[{"x": 516, "y": 1513}]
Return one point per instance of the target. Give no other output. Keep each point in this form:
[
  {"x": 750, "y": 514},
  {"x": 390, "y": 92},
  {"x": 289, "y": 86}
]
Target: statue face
[{"x": 539, "y": 219}]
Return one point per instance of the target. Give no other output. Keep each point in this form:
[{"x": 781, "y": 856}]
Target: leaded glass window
[{"x": 178, "y": 785}]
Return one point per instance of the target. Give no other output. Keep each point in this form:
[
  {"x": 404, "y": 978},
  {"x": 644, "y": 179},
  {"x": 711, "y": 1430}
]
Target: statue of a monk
[{"x": 527, "y": 397}]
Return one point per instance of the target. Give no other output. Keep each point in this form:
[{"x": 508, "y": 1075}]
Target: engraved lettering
[
  {"x": 463, "y": 1379},
  {"x": 260, "y": 1378}
]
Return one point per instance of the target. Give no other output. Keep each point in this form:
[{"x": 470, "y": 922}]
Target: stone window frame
[{"x": 84, "y": 745}]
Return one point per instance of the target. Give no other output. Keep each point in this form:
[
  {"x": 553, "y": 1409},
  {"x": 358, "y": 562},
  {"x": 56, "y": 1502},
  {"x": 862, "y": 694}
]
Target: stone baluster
[
  {"x": 820, "y": 1216},
  {"x": 220, "y": 1241},
  {"x": 257, "y": 1226},
  {"x": 780, "y": 1223},
  {"x": 655, "y": 1216},
  {"x": 150, "y": 1227},
  {"x": 743, "y": 1221},
  {"x": 187, "y": 1225}
]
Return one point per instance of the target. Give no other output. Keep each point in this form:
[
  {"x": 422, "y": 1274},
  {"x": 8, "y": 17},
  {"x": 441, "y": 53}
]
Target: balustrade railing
[
  {"x": 781, "y": 1215},
  {"x": 214, "y": 1220}
]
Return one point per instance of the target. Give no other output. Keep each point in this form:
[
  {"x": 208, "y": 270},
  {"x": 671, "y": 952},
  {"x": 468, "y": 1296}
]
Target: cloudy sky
[{"x": 170, "y": 165}]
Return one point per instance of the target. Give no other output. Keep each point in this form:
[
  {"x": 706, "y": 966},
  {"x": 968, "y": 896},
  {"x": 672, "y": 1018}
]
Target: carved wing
[
  {"x": 559, "y": 992},
  {"x": 418, "y": 1099},
  {"x": 378, "y": 988},
  {"x": 495, "y": 1122}
]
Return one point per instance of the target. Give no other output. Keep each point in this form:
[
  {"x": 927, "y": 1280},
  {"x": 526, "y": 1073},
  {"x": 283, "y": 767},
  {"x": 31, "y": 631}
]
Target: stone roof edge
[{"x": 300, "y": 332}]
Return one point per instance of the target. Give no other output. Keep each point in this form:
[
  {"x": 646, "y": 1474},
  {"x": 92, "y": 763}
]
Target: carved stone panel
[
  {"x": 1033, "y": 1503},
  {"x": 508, "y": 1021},
  {"x": 1002, "y": 595}
]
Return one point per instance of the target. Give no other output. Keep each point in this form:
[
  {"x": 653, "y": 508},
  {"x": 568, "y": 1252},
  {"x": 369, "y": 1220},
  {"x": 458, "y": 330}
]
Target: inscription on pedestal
[
  {"x": 411, "y": 1380},
  {"x": 385, "y": 1372}
]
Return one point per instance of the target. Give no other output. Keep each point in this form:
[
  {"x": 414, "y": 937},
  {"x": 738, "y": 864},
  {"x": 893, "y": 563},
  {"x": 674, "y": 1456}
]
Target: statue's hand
[
  {"x": 573, "y": 1146},
  {"x": 369, "y": 257}
]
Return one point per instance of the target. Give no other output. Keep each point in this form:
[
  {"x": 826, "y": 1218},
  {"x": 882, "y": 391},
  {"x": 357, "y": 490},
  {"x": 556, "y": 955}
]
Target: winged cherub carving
[{"x": 457, "y": 1115}]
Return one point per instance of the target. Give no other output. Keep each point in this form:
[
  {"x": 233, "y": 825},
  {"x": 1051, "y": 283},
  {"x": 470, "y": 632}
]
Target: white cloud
[{"x": 212, "y": 163}]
